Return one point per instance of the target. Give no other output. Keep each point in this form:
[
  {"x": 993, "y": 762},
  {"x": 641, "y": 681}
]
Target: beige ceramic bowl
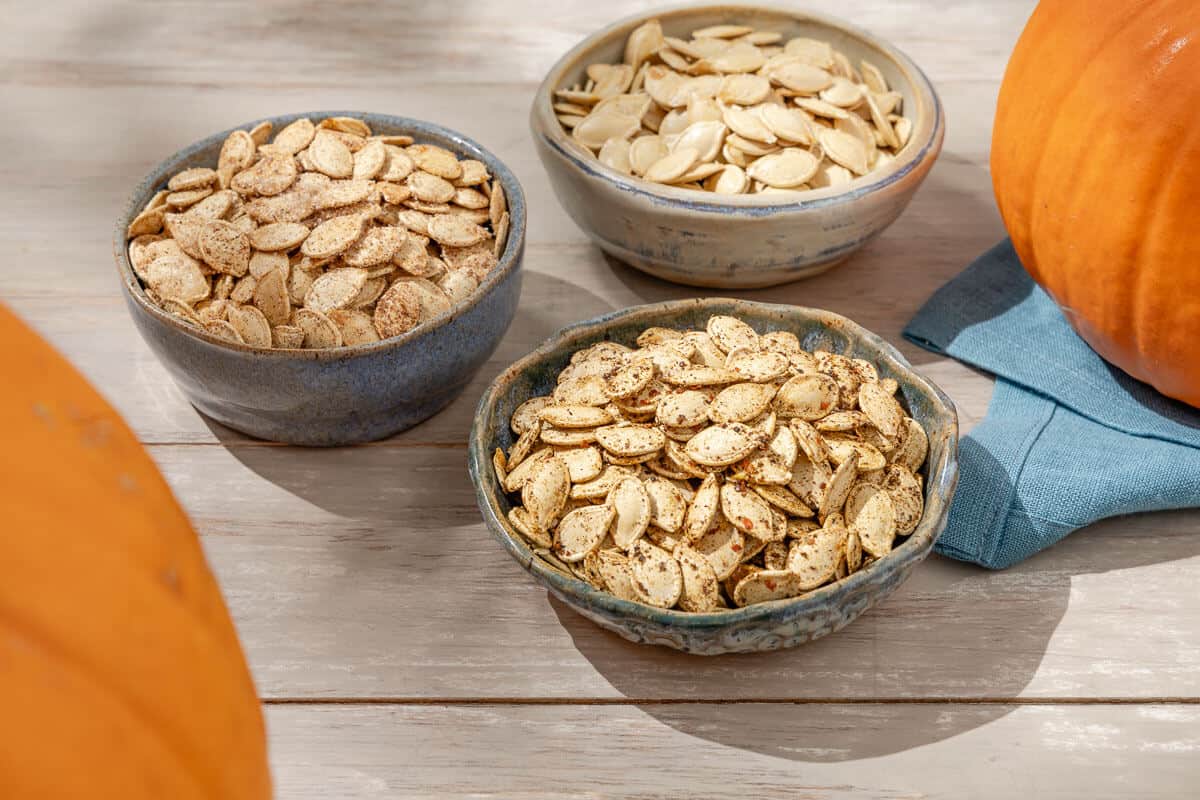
[{"x": 739, "y": 241}]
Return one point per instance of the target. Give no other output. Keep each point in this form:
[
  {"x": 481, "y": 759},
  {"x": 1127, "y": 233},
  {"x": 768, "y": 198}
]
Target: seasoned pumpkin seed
[{"x": 703, "y": 471}]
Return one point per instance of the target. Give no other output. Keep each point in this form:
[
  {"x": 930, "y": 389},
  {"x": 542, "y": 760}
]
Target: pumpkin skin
[
  {"x": 1096, "y": 168},
  {"x": 121, "y": 675}
]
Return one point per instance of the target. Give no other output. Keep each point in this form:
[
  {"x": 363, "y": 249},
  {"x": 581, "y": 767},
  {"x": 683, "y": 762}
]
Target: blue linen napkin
[{"x": 1068, "y": 438}]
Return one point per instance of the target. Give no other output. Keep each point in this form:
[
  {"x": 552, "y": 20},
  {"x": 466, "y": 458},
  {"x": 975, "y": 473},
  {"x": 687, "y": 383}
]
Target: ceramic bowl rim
[
  {"x": 546, "y": 126},
  {"x": 507, "y": 263},
  {"x": 942, "y": 480}
]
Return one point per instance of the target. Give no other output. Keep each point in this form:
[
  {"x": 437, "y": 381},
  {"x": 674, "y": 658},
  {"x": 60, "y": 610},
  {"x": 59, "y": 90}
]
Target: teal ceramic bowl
[
  {"x": 767, "y": 626},
  {"x": 343, "y": 395}
]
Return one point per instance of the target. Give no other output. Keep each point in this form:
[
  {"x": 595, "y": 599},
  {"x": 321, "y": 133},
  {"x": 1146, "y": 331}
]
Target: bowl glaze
[
  {"x": 738, "y": 241},
  {"x": 344, "y": 395},
  {"x": 767, "y": 626}
]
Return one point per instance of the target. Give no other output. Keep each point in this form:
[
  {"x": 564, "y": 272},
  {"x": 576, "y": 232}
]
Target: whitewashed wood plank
[
  {"x": 338, "y": 563},
  {"x": 720, "y": 751},
  {"x": 368, "y": 573},
  {"x": 290, "y": 44}
]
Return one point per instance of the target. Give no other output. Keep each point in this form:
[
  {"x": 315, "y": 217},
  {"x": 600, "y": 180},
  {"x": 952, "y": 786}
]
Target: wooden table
[{"x": 399, "y": 652}]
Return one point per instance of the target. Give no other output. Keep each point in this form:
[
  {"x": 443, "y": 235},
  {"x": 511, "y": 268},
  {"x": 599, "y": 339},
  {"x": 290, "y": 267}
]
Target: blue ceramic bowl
[
  {"x": 767, "y": 626},
  {"x": 345, "y": 395},
  {"x": 734, "y": 241}
]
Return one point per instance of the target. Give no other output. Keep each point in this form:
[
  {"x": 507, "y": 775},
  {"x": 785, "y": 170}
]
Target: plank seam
[{"x": 647, "y": 701}]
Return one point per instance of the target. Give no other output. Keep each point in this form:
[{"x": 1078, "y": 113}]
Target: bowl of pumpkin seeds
[
  {"x": 735, "y": 146},
  {"x": 716, "y": 475},
  {"x": 324, "y": 278}
]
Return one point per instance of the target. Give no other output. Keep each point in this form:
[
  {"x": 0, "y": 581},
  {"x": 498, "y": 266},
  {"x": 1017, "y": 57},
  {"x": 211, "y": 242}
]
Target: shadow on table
[
  {"x": 950, "y": 630},
  {"x": 393, "y": 480},
  {"x": 950, "y": 221}
]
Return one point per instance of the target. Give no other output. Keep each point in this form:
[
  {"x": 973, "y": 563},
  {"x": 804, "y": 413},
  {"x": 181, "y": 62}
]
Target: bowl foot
[
  {"x": 732, "y": 277},
  {"x": 328, "y": 431}
]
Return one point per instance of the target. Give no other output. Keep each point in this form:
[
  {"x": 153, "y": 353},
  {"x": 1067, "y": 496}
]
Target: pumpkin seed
[
  {"x": 730, "y": 333},
  {"x": 741, "y": 402},
  {"x": 545, "y": 492},
  {"x": 250, "y": 324},
  {"x": 784, "y": 499},
  {"x": 820, "y": 108},
  {"x": 721, "y": 445},
  {"x": 568, "y": 437},
  {"x": 683, "y": 409},
  {"x": 601, "y": 485},
  {"x": 701, "y": 514},
  {"x": 337, "y": 288},
  {"x": 319, "y": 330},
  {"x": 881, "y": 408},
  {"x": 759, "y": 366},
  {"x": 808, "y": 397},
  {"x": 842, "y": 92},
  {"x": 700, "y": 589},
  {"x": 813, "y": 556},
  {"x": 667, "y": 503},
  {"x": 844, "y": 149},
  {"x": 177, "y": 277},
  {"x": 583, "y": 463},
  {"x": 670, "y": 167},
  {"x": 746, "y": 511},
  {"x": 913, "y": 448},
  {"x": 744, "y": 90},
  {"x": 630, "y": 440},
  {"x": 334, "y": 185},
  {"x": 575, "y": 416},
  {"x": 732, "y": 179},
  {"x": 581, "y": 531},
  {"x": 763, "y": 586},
  {"x": 907, "y": 497},
  {"x": 839, "y": 486},
  {"x": 800, "y": 77},
  {"x": 840, "y": 449},
  {"x": 629, "y": 380},
  {"x": 871, "y": 515},
  {"x": 527, "y": 413},
  {"x": 724, "y": 500},
  {"x": 810, "y": 480},
  {"x": 657, "y": 579},
  {"x": 842, "y": 421},
  {"x": 631, "y": 503},
  {"x": 698, "y": 375},
  {"x": 723, "y": 547}
]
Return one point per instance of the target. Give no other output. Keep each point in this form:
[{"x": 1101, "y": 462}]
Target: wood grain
[
  {"x": 368, "y": 573},
  {"x": 827, "y": 752},
  {"x": 400, "y": 652}
]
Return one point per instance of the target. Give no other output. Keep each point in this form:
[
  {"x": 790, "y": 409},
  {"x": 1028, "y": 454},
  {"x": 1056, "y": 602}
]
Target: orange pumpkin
[
  {"x": 121, "y": 675},
  {"x": 1096, "y": 168}
]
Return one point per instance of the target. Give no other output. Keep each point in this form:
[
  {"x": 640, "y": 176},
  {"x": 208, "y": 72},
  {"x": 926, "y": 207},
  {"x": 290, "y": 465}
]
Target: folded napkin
[{"x": 1068, "y": 439}]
